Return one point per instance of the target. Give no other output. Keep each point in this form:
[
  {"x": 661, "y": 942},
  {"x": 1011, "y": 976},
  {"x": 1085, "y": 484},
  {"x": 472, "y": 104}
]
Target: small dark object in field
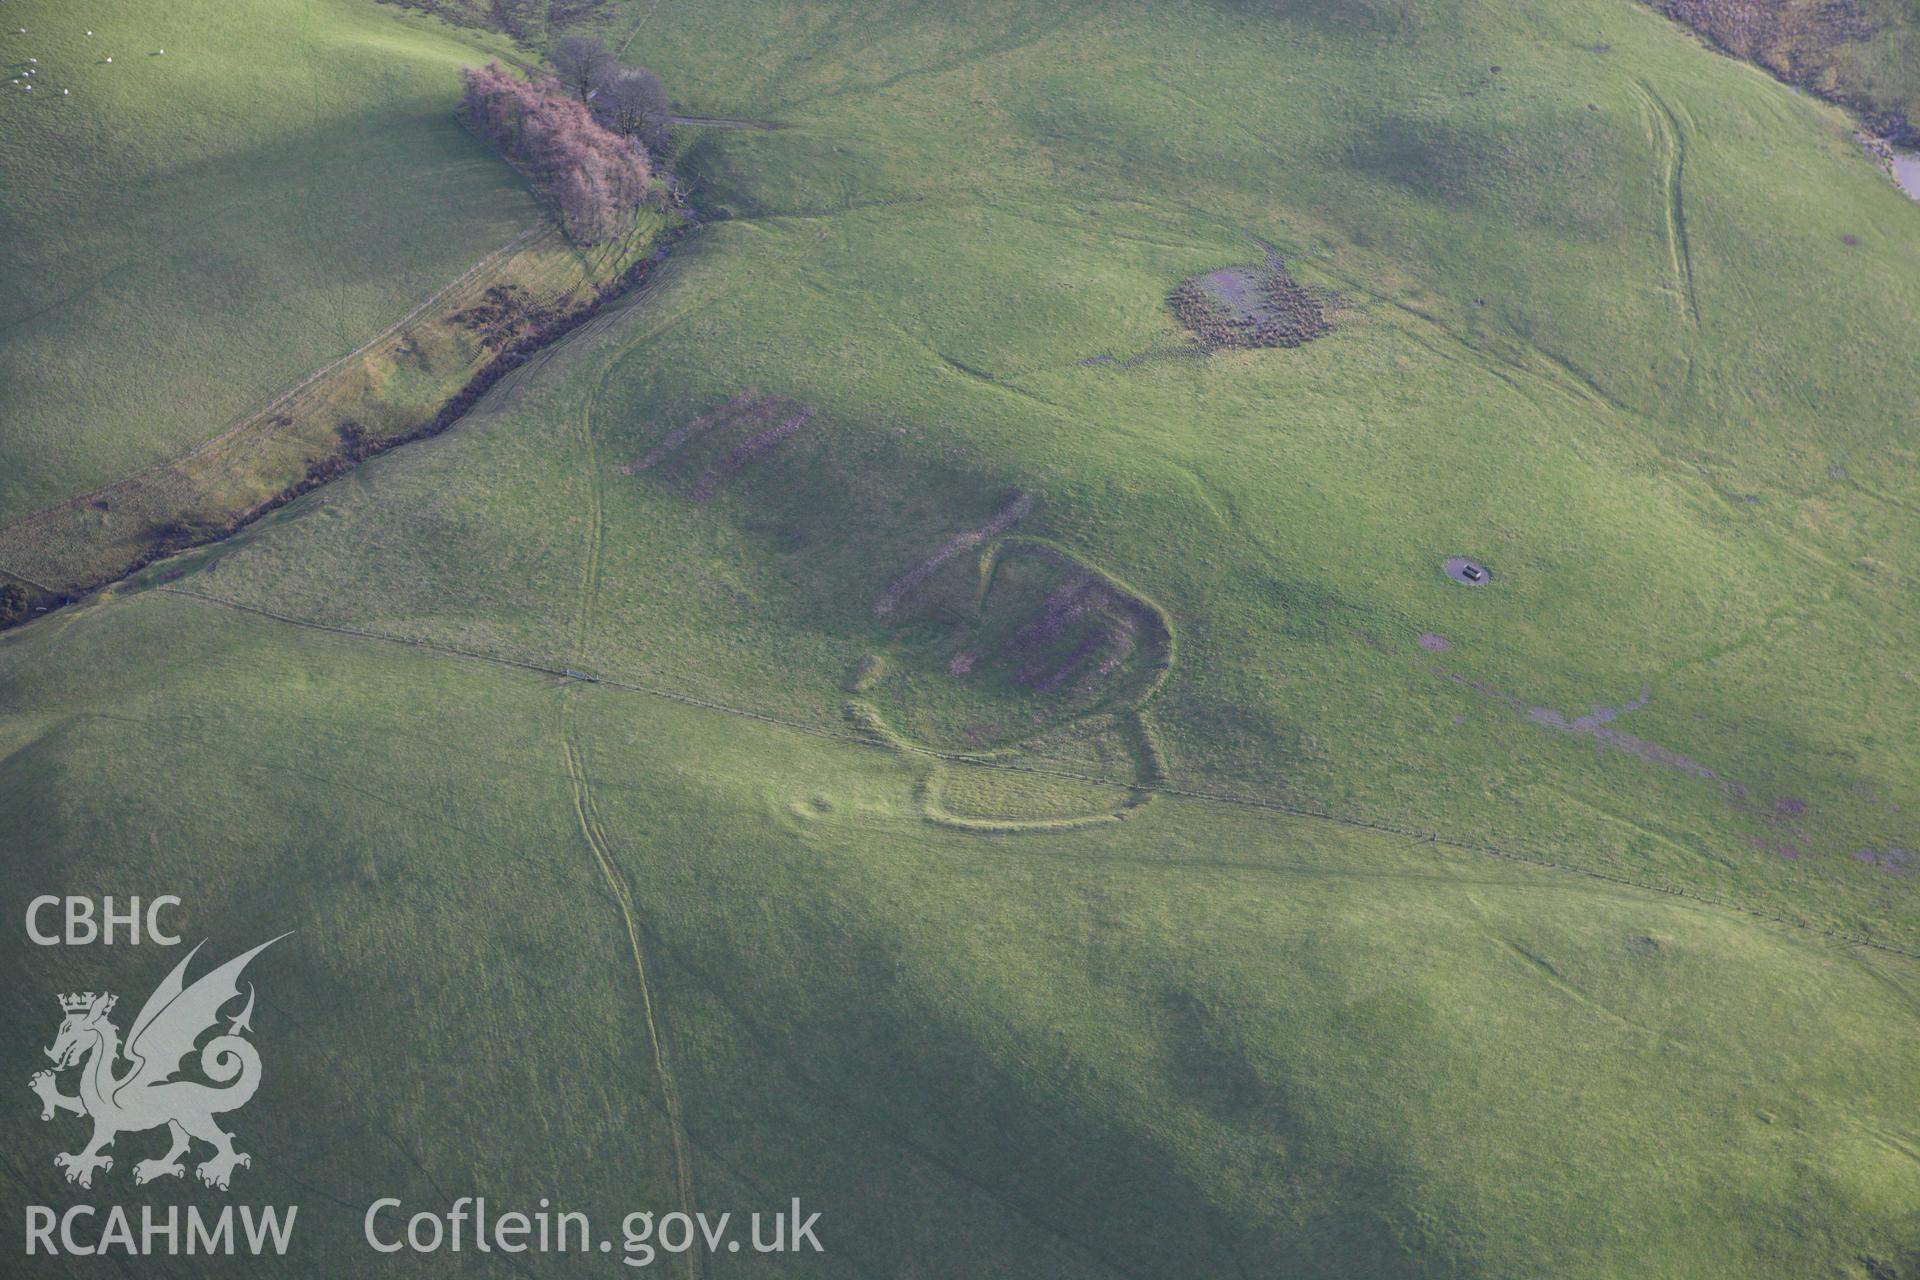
[
  {"x": 1468, "y": 573},
  {"x": 1593, "y": 106},
  {"x": 1495, "y": 68},
  {"x": 1435, "y": 643},
  {"x": 1601, "y": 48},
  {"x": 1850, "y": 241}
]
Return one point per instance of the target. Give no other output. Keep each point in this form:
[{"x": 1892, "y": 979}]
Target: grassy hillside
[
  {"x": 189, "y": 232},
  {"x": 1865, "y": 53},
  {"x": 971, "y": 642},
  {"x": 413, "y": 379},
  {"x": 1597, "y": 349},
  {"x": 1205, "y": 1041}
]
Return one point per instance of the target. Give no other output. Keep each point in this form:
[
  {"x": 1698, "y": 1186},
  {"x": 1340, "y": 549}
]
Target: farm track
[
  {"x": 593, "y": 830},
  {"x": 726, "y": 122},
  {"x": 595, "y": 834},
  {"x": 1041, "y": 766},
  {"x": 1670, "y": 141}
]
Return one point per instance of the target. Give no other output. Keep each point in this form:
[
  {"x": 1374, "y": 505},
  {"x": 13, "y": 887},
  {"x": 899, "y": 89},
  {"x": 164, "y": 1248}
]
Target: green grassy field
[
  {"x": 1205, "y": 1041},
  {"x": 187, "y": 233},
  {"x": 393, "y": 388},
  {"x": 1594, "y": 432},
  {"x": 1082, "y": 996}
]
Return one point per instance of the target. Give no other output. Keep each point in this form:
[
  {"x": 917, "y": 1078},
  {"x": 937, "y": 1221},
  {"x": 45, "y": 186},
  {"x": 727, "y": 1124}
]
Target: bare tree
[
  {"x": 633, "y": 101},
  {"x": 583, "y": 61}
]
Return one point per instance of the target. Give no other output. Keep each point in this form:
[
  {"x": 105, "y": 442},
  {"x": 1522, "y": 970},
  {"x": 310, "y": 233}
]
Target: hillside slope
[
  {"x": 190, "y": 231},
  {"x": 1206, "y": 1041},
  {"x": 950, "y": 703},
  {"x": 1596, "y": 349},
  {"x": 1865, "y": 53}
]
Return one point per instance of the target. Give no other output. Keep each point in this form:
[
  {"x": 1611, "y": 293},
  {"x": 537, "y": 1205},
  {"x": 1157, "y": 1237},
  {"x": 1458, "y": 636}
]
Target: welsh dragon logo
[{"x": 146, "y": 1096}]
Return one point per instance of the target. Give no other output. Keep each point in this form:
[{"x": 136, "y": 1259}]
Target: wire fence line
[
  {"x": 628, "y": 42},
  {"x": 32, "y": 582},
  {"x": 1056, "y": 769},
  {"x": 286, "y": 395}
]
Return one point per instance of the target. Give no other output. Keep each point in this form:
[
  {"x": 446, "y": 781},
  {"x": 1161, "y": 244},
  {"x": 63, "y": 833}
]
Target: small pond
[{"x": 1906, "y": 171}]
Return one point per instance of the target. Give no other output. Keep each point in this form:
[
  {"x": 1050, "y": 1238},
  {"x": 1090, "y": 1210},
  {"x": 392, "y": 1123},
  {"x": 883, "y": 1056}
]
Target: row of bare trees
[{"x": 596, "y": 176}]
